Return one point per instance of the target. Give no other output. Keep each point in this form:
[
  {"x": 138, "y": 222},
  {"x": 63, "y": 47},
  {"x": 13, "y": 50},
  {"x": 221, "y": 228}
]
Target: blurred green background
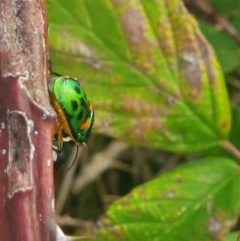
[{"x": 154, "y": 113}]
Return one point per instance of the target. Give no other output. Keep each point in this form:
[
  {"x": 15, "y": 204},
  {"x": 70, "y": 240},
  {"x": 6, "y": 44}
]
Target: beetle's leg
[
  {"x": 58, "y": 130},
  {"x": 60, "y": 137}
]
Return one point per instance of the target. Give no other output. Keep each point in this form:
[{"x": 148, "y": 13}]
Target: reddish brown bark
[{"x": 26, "y": 124}]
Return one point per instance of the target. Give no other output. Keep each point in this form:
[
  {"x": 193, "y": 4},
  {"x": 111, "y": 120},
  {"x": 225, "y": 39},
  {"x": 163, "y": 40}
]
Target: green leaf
[
  {"x": 236, "y": 22},
  {"x": 226, "y": 8},
  {"x": 151, "y": 75},
  {"x": 226, "y": 48},
  {"x": 199, "y": 201},
  {"x": 232, "y": 237},
  {"x": 235, "y": 131}
]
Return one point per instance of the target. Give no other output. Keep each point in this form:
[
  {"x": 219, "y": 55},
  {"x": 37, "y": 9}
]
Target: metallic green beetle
[{"x": 75, "y": 112}]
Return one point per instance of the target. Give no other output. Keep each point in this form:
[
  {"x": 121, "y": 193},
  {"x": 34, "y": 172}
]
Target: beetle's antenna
[
  {"x": 56, "y": 74},
  {"x": 75, "y": 158}
]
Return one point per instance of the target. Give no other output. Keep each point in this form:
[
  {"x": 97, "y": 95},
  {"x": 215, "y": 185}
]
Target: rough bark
[{"x": 26, "y": 124}]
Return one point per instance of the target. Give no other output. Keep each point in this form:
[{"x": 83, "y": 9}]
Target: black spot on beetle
[
  {"x": 74, "y": 105},
  {"x": 77, "y": 89},
  {"x": 80, "y": 115},
  {"x": 83, "y": 104}
]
